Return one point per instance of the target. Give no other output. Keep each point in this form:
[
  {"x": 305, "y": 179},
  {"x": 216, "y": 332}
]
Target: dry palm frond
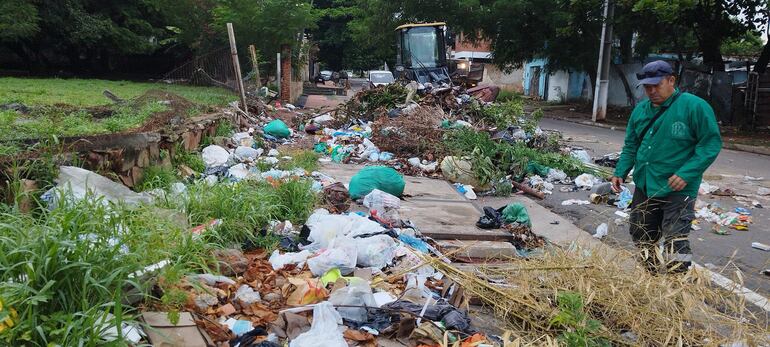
[{"x": 681, "y": 310}]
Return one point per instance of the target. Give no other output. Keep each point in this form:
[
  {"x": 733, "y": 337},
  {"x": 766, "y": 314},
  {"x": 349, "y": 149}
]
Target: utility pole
[
  {"x": 603, "y": 67},
  {"x": 237, "y": 68}
]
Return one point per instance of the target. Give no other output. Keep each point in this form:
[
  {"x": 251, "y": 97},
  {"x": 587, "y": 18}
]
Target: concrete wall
[
  {"x": 616, "y": 95},
  {"x": 558, "y": 86},
  {"x": 510, "y": 81}
]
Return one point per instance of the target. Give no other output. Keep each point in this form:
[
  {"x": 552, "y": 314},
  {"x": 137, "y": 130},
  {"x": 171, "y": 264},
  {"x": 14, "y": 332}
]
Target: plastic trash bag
[
  {"x": 243, "y": 139},
  {"x": 556, "y": 175},
  {"x": 457, "y": 170},
  {"x": 342, "y": 254},
  {"x": 246, "y": 295},
  {"x": 601, "y": 231},
  {"x": 370, "y": 178},
  {"x": 379, "y": 198},
  {"x": 214, "y": 156},
  {"x": 75, "y": 184},
  {"x": 516, "y": 213},
  {"x": 357, "y": 293},
  {"x": 278, "y": 260},
  {"x": 416, "y": 243},
  {"x": 492, "y": 219},
  {"x": 582, "y": 155},
  {"x": 247, "y": 153},
  {"x": 585, "y": 181},
  {"x": 325, "y": 329},
  {"x": 277, "y": 128},
  {"x": 376, "y": 251},
  {"x": 624, "y": 198},
  {"x": 325, "y": 227},
  {"x": 534, "y": 167}
]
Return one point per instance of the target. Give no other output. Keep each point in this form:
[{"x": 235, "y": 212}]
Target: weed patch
[{"x": 307, "y": 160}]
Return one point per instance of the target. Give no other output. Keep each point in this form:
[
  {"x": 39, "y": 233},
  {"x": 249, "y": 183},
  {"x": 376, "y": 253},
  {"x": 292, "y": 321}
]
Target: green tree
[
  {"x": 713, "y": 22},
  {"x": 749, "y": 45},
  {"x": 18, "y": 19}
]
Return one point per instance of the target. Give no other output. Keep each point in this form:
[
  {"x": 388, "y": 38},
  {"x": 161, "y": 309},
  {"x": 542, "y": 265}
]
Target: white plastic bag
[
  {"x": 380, "y": 198},
  {"x": 358, "y": 293},
  {"x": 342, "y": 254},
  {"x": 585, "y": 181},
  {"x": 243, "y": 139},
  {"x": 376, "y": 251},
  {"x": 601, "y": 231},
  {"x": 325, "y": 329},
  {"x": 555, "y": 175},
  {"x": 581, "y": 155},
  {"x": 214, "y": 156},
  {"x": 324, "y": 227},
  {"x": 278, "y": 260},
  {"x": 247, "y": 153}
]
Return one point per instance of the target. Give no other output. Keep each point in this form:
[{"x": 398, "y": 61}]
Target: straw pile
[{"x": 632, "y": 306}]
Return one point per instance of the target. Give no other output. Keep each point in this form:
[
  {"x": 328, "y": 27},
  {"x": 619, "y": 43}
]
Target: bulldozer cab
[{"x": 422, "y": 53}]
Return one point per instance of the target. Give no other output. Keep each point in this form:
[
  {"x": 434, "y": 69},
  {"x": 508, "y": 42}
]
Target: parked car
[
  {"x": 380, "y": 78},
  {"x": 326, "y": 75}
]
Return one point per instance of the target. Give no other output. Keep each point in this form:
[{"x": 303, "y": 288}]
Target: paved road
[{"x": 726, "y": 252}]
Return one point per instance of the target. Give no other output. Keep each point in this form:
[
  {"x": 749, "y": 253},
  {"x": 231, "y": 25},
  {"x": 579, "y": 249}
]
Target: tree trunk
[
  {"x": 626, "y": 86},
  {"x": 764, "y": 59},
  {"x": 626, "y": 47}
]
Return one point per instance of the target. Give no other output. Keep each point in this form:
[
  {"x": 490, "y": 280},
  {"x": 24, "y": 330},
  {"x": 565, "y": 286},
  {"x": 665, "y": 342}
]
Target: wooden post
[
  {"x": 237, "y": 67},
  {"x": 255, "y": 65},
  {"x": 278, "y": 73}
]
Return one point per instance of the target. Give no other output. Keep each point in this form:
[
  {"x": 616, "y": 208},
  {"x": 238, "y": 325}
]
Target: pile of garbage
[{"x": 344, "y": 278}]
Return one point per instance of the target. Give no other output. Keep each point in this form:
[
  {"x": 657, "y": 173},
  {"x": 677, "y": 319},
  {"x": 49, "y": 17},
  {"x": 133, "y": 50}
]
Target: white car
[{"x": 380, "y": 78}]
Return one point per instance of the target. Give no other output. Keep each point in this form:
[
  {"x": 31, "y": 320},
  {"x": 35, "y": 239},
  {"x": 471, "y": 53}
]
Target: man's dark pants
[{"x": 669, "y": 218}]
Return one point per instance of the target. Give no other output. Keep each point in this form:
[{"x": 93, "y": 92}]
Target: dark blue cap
[{"x": 653, "y": 72}]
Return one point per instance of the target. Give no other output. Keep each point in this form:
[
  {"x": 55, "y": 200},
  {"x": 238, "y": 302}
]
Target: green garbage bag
[
  {"x": 277, "y": 128},
  {"x": 534, "y": 167},
  {"x": 516, "y": 213},
  {"x": 320, "y": 147},
  {"x": 383, "y": 178}
]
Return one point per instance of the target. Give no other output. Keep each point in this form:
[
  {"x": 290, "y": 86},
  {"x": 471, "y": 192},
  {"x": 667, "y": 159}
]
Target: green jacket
[{"x": 686, "y": 141}]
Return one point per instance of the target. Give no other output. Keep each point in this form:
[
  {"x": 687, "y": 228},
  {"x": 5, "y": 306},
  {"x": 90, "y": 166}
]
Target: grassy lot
[
  {"x": 65, "y": 107},
  {"x": 88, "y": 92}
]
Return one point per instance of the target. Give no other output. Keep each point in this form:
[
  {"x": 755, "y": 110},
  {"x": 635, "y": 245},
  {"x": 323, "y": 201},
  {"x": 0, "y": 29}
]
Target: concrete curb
[{"x": 725, "y": 145}]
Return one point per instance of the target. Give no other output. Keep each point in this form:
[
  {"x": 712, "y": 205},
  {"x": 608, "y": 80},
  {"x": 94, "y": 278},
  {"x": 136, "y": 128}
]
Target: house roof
[{"x": 412, "y": 25}]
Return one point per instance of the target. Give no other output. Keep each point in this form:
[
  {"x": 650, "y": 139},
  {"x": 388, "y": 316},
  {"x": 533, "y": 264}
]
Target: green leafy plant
[
  {"x": 192, "y": 160},
  {"x": 307, "y": 160},
  {"x": 580, "y": 329}
]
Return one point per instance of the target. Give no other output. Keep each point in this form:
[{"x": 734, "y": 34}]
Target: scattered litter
[
  {"x": 706, "y": 188},
  {"x": 466, "y": 190},
  {"x": 601, "y": 231},
  {"x": 759, "y": 245},
  {"x": 575, "y": 202},
  {"x": 621, "y": 214},
  {"x": 763, "y": 191},
  {"x": 624, "y": 198},
  {"x": 239, "y": 326},
  {"x": 750, "y": 178}
]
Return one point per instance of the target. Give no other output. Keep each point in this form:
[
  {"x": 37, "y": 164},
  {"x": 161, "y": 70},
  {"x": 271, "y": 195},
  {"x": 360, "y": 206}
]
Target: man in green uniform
[{"x": 671, "y": 139}]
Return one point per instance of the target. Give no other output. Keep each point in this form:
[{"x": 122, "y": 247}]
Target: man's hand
[
  {"x": 676, "y": 183},
  {"x": 616, "y": 182}
]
